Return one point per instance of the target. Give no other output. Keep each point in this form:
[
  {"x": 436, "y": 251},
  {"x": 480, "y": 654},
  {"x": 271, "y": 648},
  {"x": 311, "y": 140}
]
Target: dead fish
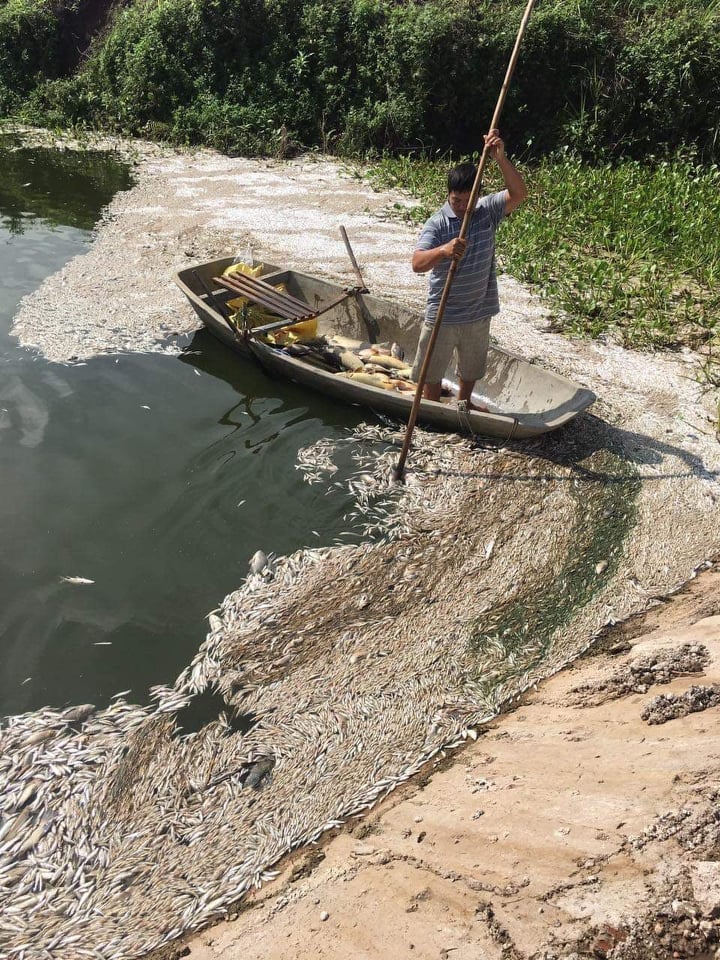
[
  {"x": 75, "y": 580},
  {"x": 385, "y": 360},
  {"x": 80, "y": 713},
  {"x": 371, "y": 379},
  {"x": 11, "y": 828},
  {"x": 33, "y": 839},
  {"x": 347, "y": 343},
  {"x": 402, "y": 385},
  {"x": 258, "y": 562},
  {"x": 28, "y": 794},
  {"x": 351, "y": 361},
  {"x": 259, "y": 771},
  {"x": 39, "y": 736}
]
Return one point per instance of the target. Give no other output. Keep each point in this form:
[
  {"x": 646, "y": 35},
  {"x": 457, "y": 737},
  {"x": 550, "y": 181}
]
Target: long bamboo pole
[{"x": 400, "y": 469}]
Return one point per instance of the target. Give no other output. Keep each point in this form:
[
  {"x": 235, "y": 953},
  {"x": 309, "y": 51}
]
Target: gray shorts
[{"x": 468, "y": 341}]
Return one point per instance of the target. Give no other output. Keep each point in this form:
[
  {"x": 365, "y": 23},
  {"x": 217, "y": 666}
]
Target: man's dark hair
[{"x": 461, "y": 178}]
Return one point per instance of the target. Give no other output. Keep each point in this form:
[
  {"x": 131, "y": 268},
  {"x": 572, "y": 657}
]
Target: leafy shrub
[
  {"x": 29, "y": 49},
  {"x": 625, "y": 250},
  {"x": 608, "y": 78}
]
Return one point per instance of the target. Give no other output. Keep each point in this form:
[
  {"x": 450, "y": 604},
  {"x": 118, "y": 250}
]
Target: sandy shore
[{"x": 572, "y": 827}]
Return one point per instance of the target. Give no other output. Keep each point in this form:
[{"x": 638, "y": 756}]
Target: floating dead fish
[
  {"x": 259, "y": 772},
  {"x": 258, "y": 562},
  {"x": 40, "y": 736},
  {"x": 27, "y": 794},
  {"x": 34, "y": 838},
  {"x": 12, "y": 828},
  {"x": 79, "y": 713},
  {"x": 75, "y": 580}
]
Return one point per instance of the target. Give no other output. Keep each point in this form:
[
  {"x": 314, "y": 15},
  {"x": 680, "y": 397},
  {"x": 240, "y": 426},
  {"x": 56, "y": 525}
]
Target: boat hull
[{"x": 525, "y": 400}]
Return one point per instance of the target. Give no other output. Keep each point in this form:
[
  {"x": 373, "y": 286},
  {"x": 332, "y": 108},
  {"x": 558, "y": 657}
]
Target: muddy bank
[{"x": 570, "y": 829}]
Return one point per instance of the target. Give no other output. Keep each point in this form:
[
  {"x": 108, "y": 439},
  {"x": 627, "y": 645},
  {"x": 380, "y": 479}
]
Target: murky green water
[{"x": 132, "y": 471}]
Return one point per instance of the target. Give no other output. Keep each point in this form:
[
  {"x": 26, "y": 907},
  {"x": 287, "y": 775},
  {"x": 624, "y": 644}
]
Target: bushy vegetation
[
  {"x": 619, "y": 233},
  {"x": 30, "y": 49},
  {"x": 628, "y": 250},
  {"x": 609, "y": 78}
]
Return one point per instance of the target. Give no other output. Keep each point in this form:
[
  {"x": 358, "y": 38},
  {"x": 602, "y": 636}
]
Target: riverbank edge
[{"x": 479, "y": 855}]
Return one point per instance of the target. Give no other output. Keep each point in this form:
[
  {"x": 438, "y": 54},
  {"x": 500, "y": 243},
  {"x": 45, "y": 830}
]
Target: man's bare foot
[{"x": 469, "y": 405}]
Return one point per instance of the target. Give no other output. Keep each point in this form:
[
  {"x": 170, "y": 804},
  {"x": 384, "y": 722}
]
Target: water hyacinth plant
[{"x": 628, "y": 251}]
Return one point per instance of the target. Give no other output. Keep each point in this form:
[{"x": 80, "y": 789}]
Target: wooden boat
[{"x": 524, "y": 399}]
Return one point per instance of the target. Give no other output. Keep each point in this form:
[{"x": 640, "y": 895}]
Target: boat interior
[{"x": 512, "y": 386}]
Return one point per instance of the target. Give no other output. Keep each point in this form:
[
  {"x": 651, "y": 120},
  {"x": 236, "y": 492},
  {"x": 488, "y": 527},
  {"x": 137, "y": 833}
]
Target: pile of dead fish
[
  {"x": 334, "y": 674},
  {"x": 374, "y": 364}
]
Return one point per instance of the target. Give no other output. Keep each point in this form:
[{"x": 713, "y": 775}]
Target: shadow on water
[{"x": 255, "y": 386}]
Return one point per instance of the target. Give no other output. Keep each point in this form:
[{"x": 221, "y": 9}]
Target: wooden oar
[
  {"x": 361, "y": 283},
  {"x": 371, "y": 324},
  {"x": 400, "y": 469}
]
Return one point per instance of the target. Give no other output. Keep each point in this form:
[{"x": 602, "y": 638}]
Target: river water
[{"x": 155, "y": 476}]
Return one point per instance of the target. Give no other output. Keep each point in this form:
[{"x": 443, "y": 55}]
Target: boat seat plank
[{"x": 256, "y": 290}]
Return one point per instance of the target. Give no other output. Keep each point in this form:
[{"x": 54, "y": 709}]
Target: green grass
[{"x": 629, "y": 252}]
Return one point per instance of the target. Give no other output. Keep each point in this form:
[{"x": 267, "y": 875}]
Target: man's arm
[
  {"x": 424, "y": 260},
  {"x": 515, "y": 189}
]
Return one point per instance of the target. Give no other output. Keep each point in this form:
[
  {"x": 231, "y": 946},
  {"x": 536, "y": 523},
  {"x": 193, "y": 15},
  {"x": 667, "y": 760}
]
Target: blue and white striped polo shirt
[{"x": 474, "y": 292}]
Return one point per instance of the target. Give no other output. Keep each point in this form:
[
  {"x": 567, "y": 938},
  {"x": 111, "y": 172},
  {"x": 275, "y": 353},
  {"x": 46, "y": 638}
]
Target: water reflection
[
  {"x": 133, "y": 472},
  {"x": 61, "y": 188}
]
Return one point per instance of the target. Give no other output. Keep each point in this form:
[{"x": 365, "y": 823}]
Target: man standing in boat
[{"x": 473, "y": 298}]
